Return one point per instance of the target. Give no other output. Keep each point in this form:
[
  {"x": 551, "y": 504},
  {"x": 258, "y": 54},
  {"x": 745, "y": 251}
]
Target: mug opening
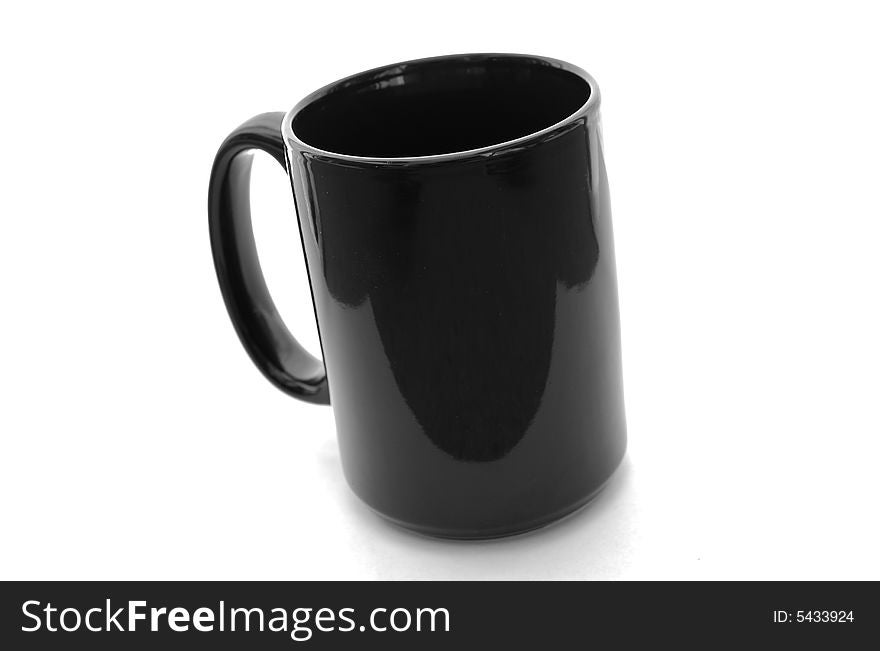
[{"x": 440, "y": 107}]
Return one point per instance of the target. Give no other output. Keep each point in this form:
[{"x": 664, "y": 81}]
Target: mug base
[{"x": 497, "y": 532}]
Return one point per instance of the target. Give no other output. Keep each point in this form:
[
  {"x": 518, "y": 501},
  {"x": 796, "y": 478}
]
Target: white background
[{"x": 138, "y": 441}]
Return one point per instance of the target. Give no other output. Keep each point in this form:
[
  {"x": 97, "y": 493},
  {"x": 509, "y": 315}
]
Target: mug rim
[{"x": 591, "y": 105}]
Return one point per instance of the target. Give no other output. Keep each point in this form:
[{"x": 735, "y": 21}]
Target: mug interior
[{"x": 440, "y": 106}]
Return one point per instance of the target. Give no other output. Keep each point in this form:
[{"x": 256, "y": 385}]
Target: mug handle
[{"x": 260, "y": 328}]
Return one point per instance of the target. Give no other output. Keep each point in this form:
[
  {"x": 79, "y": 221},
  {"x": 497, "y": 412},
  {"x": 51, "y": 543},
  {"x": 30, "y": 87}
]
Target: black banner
[{"x": 433, "y": 615}]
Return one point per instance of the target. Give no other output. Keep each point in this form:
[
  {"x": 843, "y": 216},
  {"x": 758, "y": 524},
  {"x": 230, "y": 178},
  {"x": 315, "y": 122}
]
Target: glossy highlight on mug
[{"x": 455, "y": 220}]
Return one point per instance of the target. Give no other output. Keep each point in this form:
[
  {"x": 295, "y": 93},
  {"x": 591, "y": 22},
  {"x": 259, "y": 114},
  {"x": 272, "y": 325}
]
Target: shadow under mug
[{"x": 455, "y": 221}]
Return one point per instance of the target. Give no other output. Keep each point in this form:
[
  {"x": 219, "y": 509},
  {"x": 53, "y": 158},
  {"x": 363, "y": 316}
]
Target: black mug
[{"x": 455, "y": 220}]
